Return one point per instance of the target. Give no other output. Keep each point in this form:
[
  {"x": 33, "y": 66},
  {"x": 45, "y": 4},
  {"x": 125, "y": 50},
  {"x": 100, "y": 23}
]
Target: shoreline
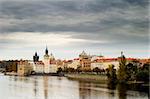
[
  {"x": 36, "y": 74},
  {"x": 79, "y": 77},
  {"x": 98, "y": 78},
  {"x": 88, "y": 77}
]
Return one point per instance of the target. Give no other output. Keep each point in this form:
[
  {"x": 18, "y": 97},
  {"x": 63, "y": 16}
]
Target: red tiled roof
[{"x": 76, "y": 59}]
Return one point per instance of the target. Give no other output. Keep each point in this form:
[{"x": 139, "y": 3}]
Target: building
[
  {"x": 50, "y": 64},
  {"x": 103, "y": 63},
  {"x": 53, "y": 68},
  {"x": 38, "y": 67},
  {"x": 46, "y": 61},
  {"x": 107, "y": 63},
  {"x": 10, "y": 65},
  {"x": 51, "y": 58},
  {"x": 85, "y": 61},
  {"x": 24, "y": 68},
  {"x": 73, "y": 64},
  {"x": 35, "y": 57},
  {"x": 60, "y": 63}
]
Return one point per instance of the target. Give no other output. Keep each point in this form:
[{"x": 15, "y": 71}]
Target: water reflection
[
  {"x": 46, "y": 87},
  {"x": 84, "y": 90},
  {"x": 122, "y": 89},
  {"x": 111, "y": 85},
  {"x": 35, "y": 86},
  {"x": 45, "y": 79}
]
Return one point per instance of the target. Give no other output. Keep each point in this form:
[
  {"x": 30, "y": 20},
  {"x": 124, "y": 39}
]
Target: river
[{"x": 53, "y": 87}]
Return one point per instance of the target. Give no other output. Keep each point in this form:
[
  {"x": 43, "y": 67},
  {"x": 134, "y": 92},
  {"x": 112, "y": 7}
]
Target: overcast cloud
[{"x": 69, "y": 26}]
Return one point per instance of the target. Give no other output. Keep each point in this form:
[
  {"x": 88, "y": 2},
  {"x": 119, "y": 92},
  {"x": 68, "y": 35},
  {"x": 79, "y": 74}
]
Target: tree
[
  {"x": 131, "y": 71},
  {"x": 122, "y": 76},
  {"x": 143, "y": 73},
  {"x": 59, "y": 70},
  {"x": 65, "y": 70},
  {"x": 79, "y": 69},
  {"x": 71, "y": 70},
  {"x": 111, "y": 74},
  {"x": 97, "y": 70}
]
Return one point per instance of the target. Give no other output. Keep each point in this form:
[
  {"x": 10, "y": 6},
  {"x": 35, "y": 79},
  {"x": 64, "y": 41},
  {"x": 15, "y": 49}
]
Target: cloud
[
  {"x": 79, "y": 23},
  {"x": 70, "y": 15},
  {"x": 29, "y": 39}
]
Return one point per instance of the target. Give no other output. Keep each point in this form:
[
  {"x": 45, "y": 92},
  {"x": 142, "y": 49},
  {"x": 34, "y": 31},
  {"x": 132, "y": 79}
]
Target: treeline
[
  {"x": 132, "y": 71},
  {"x": 95, "y": 70}
]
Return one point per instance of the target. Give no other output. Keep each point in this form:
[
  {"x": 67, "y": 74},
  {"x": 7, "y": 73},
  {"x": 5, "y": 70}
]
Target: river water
[{"x": 52, "y": 87}]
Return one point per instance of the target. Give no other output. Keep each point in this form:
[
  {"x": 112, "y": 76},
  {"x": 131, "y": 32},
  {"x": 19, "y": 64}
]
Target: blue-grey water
[{"x": 52, "y": 87}]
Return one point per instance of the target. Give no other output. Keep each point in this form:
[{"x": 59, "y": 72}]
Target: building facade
[
  {"x": 39, "y": 67},
  {"x": 50, "y": 64},
  {"x": 85, "y": 61},
  {"x": 24, "y": 68},
  {"x": 74, "y": 64},
  {"x": 46, "y": 61},
  {"x": 105, "y": 64}
]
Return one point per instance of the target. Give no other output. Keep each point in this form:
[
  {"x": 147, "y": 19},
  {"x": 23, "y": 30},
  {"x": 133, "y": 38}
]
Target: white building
[
  {"x": 50, "y": 65},
  {"x": 39, "y": 67},
  {"x": 105, "y": 64},
  {"x": 53, "y": 68},
  {"x": 46, "y": 61},
  {"x": 97, "y": 64}
]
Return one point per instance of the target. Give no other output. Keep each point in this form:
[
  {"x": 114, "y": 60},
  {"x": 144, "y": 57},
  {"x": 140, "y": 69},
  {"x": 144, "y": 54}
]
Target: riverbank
[
  {"x": 99, "y": 78},
  {"x": 88, "y": 77},
  {"x": 35, "y": 74},
  {"x": 11, "y": 73}
]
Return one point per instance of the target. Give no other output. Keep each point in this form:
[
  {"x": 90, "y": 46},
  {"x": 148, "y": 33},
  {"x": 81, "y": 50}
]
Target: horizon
[{"x": 41, "y": 56}]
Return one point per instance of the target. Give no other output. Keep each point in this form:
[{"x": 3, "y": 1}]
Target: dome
[
  {"x": 51, "y": 56},
  {"x": 83, "y": 54}
]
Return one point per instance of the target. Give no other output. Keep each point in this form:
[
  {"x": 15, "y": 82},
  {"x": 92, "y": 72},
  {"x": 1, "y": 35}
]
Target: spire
[
  {"x": 122, "y": 56},
  {"x": 35, "y": 53},
  {"x": 121, "y": 53},
  {"x": 46, "y": 51}
]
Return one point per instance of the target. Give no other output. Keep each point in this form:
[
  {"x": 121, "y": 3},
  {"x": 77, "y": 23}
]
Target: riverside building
[{"x": 85, "y": 62}]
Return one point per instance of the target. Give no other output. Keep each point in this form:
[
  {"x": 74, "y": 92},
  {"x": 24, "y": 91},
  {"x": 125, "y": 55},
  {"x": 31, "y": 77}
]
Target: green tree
[
  {"x": 143, "y": 73},
  {"x": 122, "y": 76},
  {"x": 131, "y": 71},
  {"x": 111, "y": 74}
]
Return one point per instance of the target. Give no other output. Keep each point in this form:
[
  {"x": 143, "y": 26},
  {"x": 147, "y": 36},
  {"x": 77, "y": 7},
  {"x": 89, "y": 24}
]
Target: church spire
[
  {"x": 46, "y": 51},
  {"x": 35, "y": 53}
]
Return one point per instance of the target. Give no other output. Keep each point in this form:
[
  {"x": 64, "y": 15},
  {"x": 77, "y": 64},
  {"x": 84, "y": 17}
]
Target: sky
[{"x": 67, "y": 27}]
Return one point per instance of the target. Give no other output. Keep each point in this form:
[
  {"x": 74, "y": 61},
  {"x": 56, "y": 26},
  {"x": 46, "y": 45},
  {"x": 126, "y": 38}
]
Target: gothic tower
[
  {"x": 46, "y": 61},
  {"x": 35, "y": 57}
]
